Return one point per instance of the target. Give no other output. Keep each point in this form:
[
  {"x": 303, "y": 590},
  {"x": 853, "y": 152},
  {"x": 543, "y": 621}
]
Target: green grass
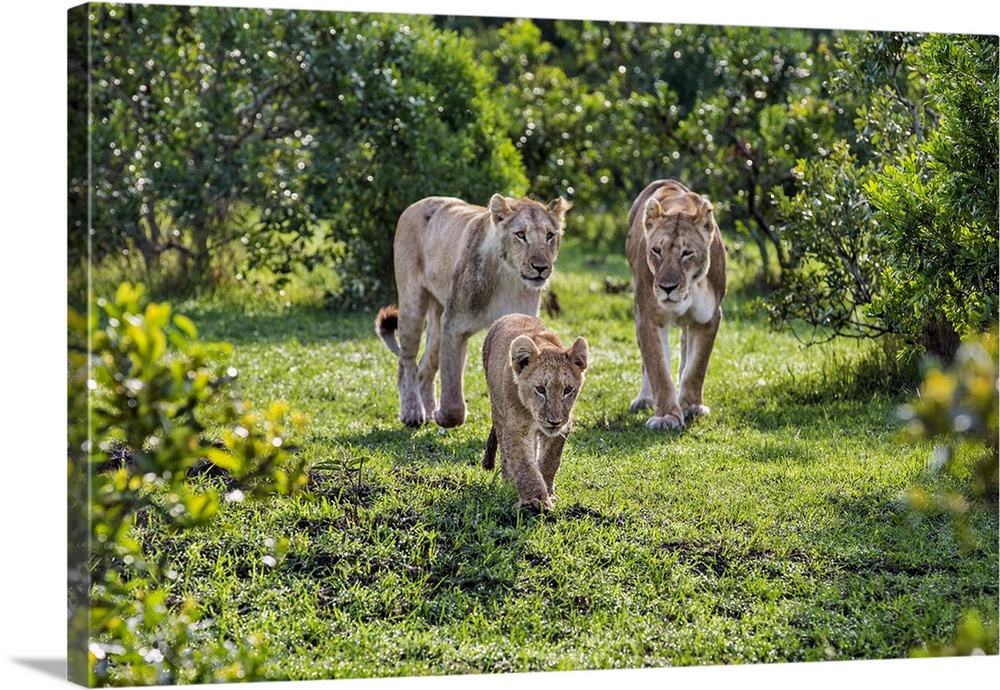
[{"x": 771, "y": 530}]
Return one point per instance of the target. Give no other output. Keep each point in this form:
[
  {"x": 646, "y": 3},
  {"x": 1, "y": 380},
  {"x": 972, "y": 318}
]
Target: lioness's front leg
[
  {"x": 520, "y": 467},
  {"x": 411, "y": 326},
  {"x": 454, "y": 345},
  {"x": 654, "y": 349},
  {"x": 429, "y": 362},
  {"x": 698, "y": 343}
]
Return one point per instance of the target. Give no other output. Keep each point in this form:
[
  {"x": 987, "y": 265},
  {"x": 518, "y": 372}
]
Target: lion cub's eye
[
  {"x": 567, "y": 391},
  {"x": 520, "y": 235},
  {"x": 540, "y": 390},
  {"x": 548, "y": 238}
]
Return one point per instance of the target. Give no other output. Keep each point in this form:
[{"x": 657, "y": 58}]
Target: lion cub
[{"x": 533, "y": 382}]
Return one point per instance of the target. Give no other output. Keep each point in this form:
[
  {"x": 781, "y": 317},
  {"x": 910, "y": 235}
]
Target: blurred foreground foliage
[
  {"x": 957, "y": 410},
  {"x": 149, "y": 405}
]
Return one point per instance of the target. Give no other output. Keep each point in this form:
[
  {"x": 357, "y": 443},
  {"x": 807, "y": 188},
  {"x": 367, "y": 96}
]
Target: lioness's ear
[
  {"x": 522, "y": 353},
  {"x": 705, "y": 215},
  {"x": 653, "y": 211},
  {"x": 557, "y": 209},
  {"x": 499, "y": 209},
  {"x": 579, "y": 353}
]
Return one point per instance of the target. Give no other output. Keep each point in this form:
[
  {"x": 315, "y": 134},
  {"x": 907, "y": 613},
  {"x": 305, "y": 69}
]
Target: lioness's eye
[
  {"x": 567, "y": 391},
  {"x": 687, "y": 254},
  {"x": 540, "y": 390},
  {"x": 656, "y": 251},
  {"x": 519, "y": 235}
]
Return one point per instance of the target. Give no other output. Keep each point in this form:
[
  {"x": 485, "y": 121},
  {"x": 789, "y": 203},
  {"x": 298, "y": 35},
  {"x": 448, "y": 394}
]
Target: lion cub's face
[
  {"x": 677, "y": 241},
  {"x": 529, "y": 235},
  {"x": 548, "y": 380}
]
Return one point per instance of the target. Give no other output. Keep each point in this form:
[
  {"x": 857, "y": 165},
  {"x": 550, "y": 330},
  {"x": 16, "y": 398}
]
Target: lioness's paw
[
  {"x": 665, "y": 423},
  {"x": 412, "y": 415},
  {"x": 641, "y": 404},
  {"x": 696, "y": 411},
  {"x": 450, "y": 418}
]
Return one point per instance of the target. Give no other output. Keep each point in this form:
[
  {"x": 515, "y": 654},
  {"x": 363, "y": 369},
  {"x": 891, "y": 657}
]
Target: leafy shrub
[
  {"x": 938, "y": 207},
  {"x": 147, "y": 403},
  {"x": 835, "y": 254},
  {"x": 295, "y": 137},
  {"x": 896, "y": 231}
]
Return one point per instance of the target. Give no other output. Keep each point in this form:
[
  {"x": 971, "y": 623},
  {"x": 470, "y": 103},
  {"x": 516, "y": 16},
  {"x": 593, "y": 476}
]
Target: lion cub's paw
[
  {"x": 537, "y": 502},
  {"x": 641, "y": 404},
  {"x": 665, "y": 423}
]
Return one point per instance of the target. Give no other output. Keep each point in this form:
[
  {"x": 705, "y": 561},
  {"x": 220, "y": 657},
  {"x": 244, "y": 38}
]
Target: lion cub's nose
[{"x": 540, "y": 268}]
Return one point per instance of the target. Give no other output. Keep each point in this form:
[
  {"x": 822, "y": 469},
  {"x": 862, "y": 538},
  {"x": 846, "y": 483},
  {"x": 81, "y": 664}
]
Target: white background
[{"x": 32, "y": 333}]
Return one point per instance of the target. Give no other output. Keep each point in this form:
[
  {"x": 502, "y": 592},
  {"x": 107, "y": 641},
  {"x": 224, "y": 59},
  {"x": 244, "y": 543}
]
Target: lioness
[
  {"x": 678, "y": 263},
  {"x": 461, "y": 266},
  {"x": 533, "y": 382}
]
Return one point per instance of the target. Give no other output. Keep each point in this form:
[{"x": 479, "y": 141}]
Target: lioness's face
[
  {"x": 677, "y": 244},
  {"x": 530, "y": 234},
  {"x": 548, "y": 381}
]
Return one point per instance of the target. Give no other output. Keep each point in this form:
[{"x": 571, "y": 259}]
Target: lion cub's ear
[
  {"x": 578, "y": 353},
  {"x": 557, "y": 209},
  {"x": 653, "y": 211},
  {"x": 523, "y": 352},
  {"x": 499, "y": 209}
]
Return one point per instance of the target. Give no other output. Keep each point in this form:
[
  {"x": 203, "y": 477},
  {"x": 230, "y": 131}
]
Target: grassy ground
[{"x": 771, "y": 530}]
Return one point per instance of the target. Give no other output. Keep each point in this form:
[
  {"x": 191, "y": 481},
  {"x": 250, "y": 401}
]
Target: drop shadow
[{"x": 55, "y": 668}]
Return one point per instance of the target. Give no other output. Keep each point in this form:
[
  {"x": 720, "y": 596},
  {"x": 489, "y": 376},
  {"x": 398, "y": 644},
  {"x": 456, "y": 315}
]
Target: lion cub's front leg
[
  {"x": 518, "y": 464},
  {"x": 550, "y": 450}
]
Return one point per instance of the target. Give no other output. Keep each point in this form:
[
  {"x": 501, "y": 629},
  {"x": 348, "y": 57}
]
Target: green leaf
[
  {"x": 185, "y": 325},
  {"x": 202, "y": 507},
  {"x": 223, "y": 460}
]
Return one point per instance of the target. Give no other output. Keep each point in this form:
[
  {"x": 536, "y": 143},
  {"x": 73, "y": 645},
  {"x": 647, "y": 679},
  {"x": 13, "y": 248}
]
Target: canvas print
[{"x": 420, "y": 345}]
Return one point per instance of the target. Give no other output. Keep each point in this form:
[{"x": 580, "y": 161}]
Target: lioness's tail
[
  {"x": 386, "y": 324},
  {"x": 490, "y": 457}
]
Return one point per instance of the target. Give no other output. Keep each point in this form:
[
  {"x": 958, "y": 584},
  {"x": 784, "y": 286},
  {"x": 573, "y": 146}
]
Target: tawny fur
[
  {"x": 678, "y": 263},
  {"x": 458, "y": 268},
  {"x": 533, "y": 383}
]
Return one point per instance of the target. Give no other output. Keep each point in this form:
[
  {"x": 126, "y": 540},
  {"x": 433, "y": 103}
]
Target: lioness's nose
[{"x": 668, "y": 287}]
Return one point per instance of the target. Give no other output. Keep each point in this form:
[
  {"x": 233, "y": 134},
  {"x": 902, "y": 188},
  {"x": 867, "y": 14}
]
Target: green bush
[
  {"x": 896, "y": 231},
  {"x": 148, "y": 403},
  {"x": 231, "y": 139},
  {"x": 937, "y": 208}
]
